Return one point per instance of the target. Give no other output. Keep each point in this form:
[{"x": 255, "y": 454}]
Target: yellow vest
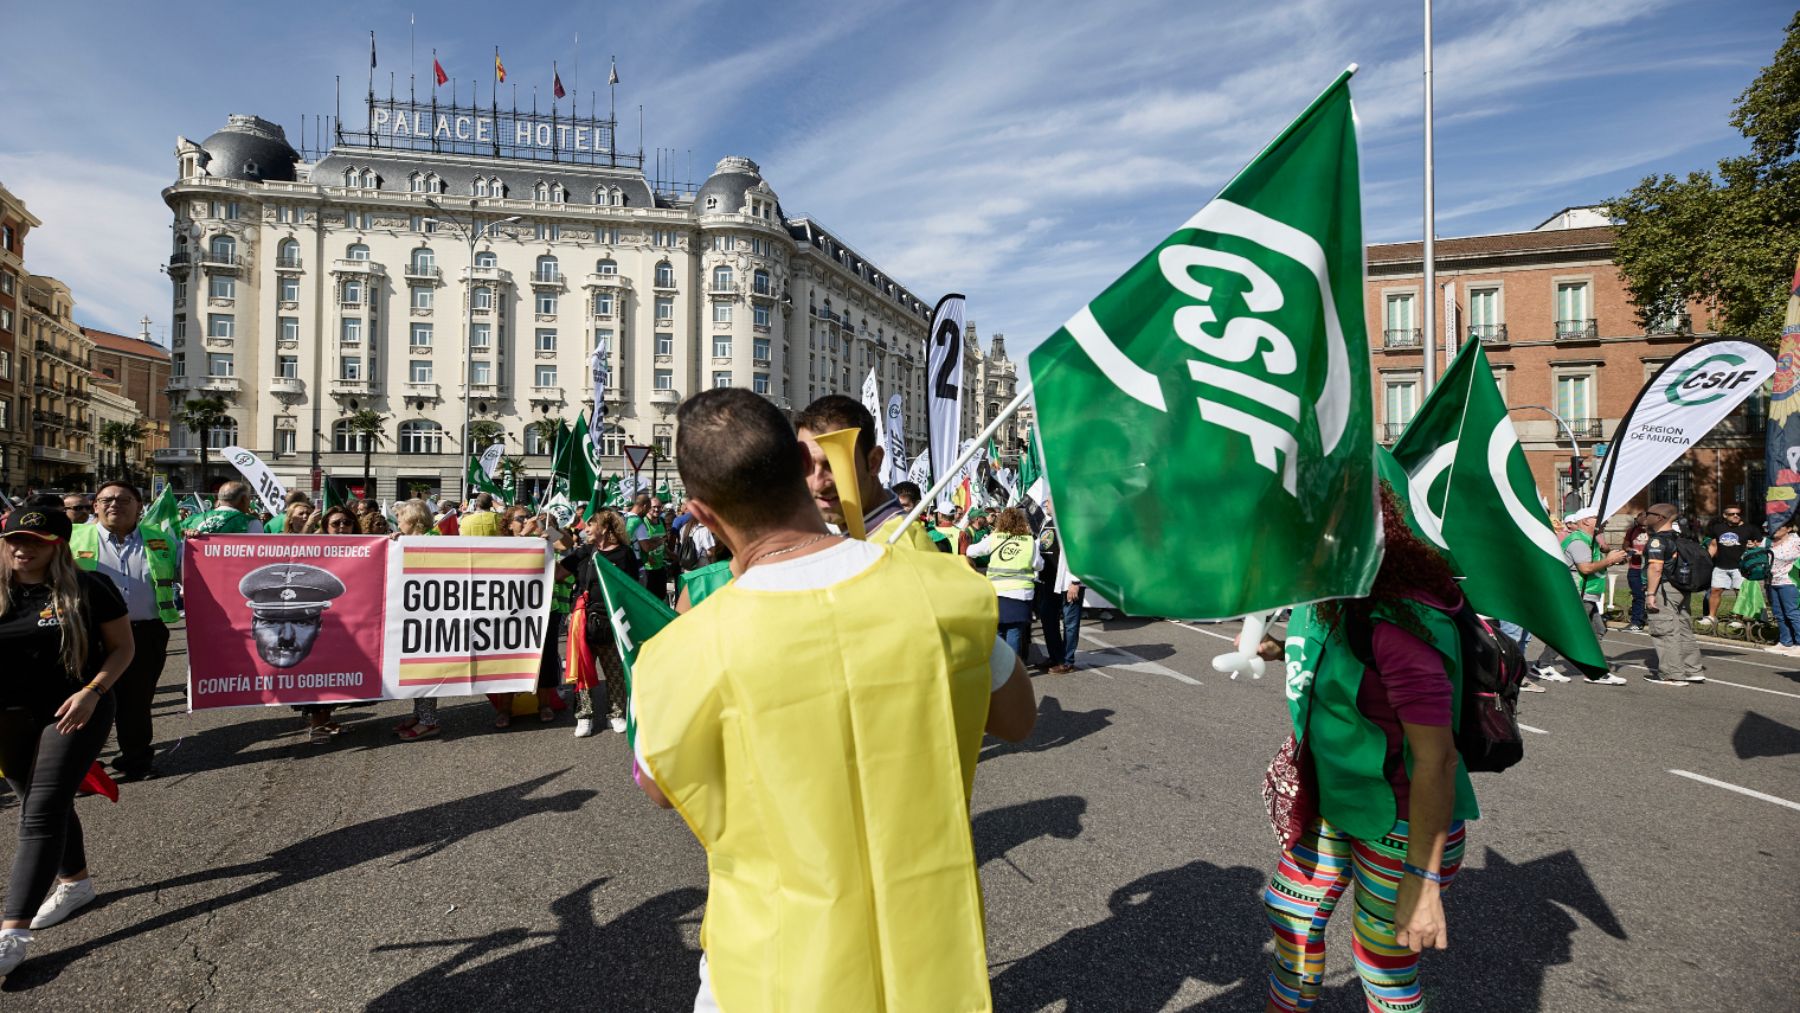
[
  {"x": 479, "y": 523},
  {"x": 914, "y": 538},
  {"x": 1009, "y": 564},
  {"x": 827, "y": 772},
  {"x": 160, "y": 548}
]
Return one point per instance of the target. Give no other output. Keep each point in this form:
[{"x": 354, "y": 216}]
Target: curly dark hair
[{"x": 1409, "y": 567}]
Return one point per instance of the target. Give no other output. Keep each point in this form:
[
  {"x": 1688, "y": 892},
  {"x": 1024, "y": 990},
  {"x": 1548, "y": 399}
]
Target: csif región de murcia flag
[
  {"x": 1205, "y": 421},
  {"x": 943, "y": 388},
  {"x": 1688, "y": 396}
]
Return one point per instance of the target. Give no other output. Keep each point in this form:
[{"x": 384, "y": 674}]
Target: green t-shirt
[
  {"x": 705, "y": 580},
  {"x": 223, "y": 521}
]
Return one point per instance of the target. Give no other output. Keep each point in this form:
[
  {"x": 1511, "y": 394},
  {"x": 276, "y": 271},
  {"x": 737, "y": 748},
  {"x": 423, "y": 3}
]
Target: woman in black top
[
  {"x": 66, "y": 639},
  {"x": 605, "y": 538}
]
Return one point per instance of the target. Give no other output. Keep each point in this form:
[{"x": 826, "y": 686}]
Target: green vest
[
  {"x": 223, "y": 521},
  {"x": 277, "y": 525},
  {"x": 1348, "y": 750},
  {"x": 659, "y": 538},
  {"x": 562, "y": 595},
  {"x": 1591, "y": 583},
  {"x": 159, "y": 551},
  {"x": 1009, "y": 563},
  {"x": 701, "y": 582}
]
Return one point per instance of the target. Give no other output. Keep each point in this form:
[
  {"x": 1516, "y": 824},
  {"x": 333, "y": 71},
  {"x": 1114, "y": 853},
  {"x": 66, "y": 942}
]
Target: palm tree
[
  {"x": 200, "y": 415},
  {"x": 367, "y": 424},
  {"x": 547, "y": 428},
  {"x": 121, "y": 437},
  {"x": 484, "y": 433}
]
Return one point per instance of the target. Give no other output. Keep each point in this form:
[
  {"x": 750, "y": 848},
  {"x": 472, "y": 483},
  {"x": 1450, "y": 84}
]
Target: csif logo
[{"x": 1708, "y": 380}]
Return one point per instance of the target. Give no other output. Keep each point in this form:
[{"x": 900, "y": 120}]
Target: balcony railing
[
  {"x": 287, "y": 263},
  {"x": 1391, "y": 431},
  {"x": 1403, "y": 337},
  {"x": 551, "y": 277},
  {"x": 1587, "y": 429},
  {"x": 1492, "y": 334},
  {"x": 1681, "y": 323},
  {"x": 219, "y": 258},
  {"x": 1578, "y": 330},
  {"x": 423, "y": 388},
  {"x": 43, "y": 453},
  {"x": 287, "y": 385},
  {"x": 176, "y": 455},
  {"x": 181, "y": 260},
  {"x": 550, "y": 395},
  {"x": 424, "y": 272}
]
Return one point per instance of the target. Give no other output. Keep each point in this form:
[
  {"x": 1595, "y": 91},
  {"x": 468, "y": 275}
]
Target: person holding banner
[
  {"x": 284, "y": 522},
  {"x": 850, "y": 724},
  {"x": 413, "y": 520},
  {"x": 333, "y": 520},
  {"x": 66, "y": 638}
]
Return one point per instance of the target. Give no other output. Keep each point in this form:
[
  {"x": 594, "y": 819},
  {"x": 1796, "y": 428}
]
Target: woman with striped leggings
[{"x": 1373, "y": 685}]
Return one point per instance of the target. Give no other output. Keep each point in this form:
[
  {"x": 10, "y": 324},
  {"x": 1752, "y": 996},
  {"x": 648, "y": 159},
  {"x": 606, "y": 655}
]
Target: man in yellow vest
[
  {"x": 826, "y": 761},
  {"x": 882, "y": 513},
  {"x": 142, "y": 561}
]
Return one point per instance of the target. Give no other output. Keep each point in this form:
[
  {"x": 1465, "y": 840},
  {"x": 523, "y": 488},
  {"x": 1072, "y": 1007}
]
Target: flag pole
[
  {"x": 1429, "y": 257},
  {"x": 976, "y": 446}
]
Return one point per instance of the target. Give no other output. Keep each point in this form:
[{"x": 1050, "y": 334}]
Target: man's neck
[
  {"x": 120, "y": 533},
  {"x": 796, "y": 538}
]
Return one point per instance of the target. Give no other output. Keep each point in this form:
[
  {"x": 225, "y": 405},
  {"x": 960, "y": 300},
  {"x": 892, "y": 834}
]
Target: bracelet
[
  {"x": 95, "y": 688},
  {"x": 1424, "y": 874}
]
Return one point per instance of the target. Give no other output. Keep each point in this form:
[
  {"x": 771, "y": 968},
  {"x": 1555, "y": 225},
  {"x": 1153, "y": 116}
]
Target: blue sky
[{"x": 1024, "y": 153}]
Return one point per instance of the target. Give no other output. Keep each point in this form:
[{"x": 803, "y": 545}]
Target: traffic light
[{"x": 1576, "y": 472}]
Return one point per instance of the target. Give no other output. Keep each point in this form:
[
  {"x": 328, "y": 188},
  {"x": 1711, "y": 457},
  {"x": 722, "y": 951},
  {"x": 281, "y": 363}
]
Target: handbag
[{"x": 1290, "y": 791}]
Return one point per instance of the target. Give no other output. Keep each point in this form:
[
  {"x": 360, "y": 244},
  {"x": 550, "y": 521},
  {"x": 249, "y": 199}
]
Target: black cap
[{"x": 35, "y": 519}]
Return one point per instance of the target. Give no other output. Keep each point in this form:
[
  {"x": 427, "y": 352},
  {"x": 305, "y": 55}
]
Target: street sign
[
  {"x": 636, "y": 455},
  {"x": 1600, "y": 449}
]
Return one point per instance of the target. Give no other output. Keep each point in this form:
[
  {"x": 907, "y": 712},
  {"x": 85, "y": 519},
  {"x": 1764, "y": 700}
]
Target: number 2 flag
[{"x": 1205, "y": 421}]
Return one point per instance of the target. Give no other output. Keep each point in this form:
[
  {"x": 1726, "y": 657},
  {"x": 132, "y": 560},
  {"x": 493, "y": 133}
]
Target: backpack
[
  {"x": 1493, "y": 669},
  {"x": 1755, "y": 563},
  {"x": 1691, "y": 569},
  {"x": 687, "y": 554}
]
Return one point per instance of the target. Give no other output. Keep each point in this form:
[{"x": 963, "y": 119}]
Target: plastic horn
[
  {"x": 840, "y": 453},
  {"x": 1245, "y": 659}
]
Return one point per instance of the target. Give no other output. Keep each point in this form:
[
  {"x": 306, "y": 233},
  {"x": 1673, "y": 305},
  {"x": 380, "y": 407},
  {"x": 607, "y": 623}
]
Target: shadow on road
[
  {"x": 405, "y": 837},
  {"x": 998, "y": 831},
  {"x": 637, "y": 961},
  {"x": 1199, "y": 921},
  {"x": 1759, "y": 736},
  {"x": 1055, "y": 727}
]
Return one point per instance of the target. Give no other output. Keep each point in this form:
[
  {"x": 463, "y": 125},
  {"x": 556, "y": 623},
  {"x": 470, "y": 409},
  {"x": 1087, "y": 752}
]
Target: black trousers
[
  {"x": 44, "y": 768},
  {"x": 136, "y": 691},
  {"x": 657, "y": 582}
]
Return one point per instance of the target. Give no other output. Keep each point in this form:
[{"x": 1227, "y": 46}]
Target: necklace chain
[{"x": 796, "y": 547}]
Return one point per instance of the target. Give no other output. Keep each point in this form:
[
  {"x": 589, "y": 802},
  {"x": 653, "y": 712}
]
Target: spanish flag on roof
[{"x": 499, "y": 68}]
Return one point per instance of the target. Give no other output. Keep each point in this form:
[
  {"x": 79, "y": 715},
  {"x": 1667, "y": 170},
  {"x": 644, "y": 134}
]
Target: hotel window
[
  {"x": 721, "y": 346},
  {"x": 484, "y": 297},
  {"x": 664, "y": 379},
  {"x": 759, "y": 382},
  {"x": 5, "y": 364},
  {"x": 180, "y": 333},
  {"x": 222, "y": 249},
  {"x": 290, "y": 288},
  {"x": 285, "y": 442},
  {"x": 178, "y": 364},
  {"x": 534, "y": 442},
  {"x": 612, "y": 441},
  {"x": 421, "y": 436},
  {"x": 759, "y": 282},
  {"x": 603, "y": 339},
  {"x": 287, "y": 253},
  {"x": 357, "y": 251},
  {"x": 290, "y": 328},
  {"x": 545, "y": 376},
  {"x": 421, "y": 336},
  {"x": 486, "y": 258},
  {"x": 287, "y": 367},
  {"x": 353, "y": 292},
  {"x": 180, "y": 289},
  {"x": 221, "y": 325},
  {"x": 665, "y": 445},
  {"x": 221, "y": 286},
  {"x": 1572, "y": 308},
  {"x": 541, "y": 191},
  {"x": 759, "y": 349},
  {"x": 416, "y": 183},
  {"x": 480, "y": 336},
  {"x": 5, "y": 413},
  {"x": 478, "y": 187},
  {"x": 548, "y": 231},
  {"x": 721, "y": 278},
  {"x": 546, "y": 339},
  {"x": 606, "y": 266},
  {"x": 721, "y": 378},
  {"x": 482, "y": 372},
  {"x": 665, "y": 344},
  {"x": 424, "y": 261},
  {"x": 351, "y": 333},
  {"x": 1402, "y": 404},
  {"x": 218, "y": 364},
  {"x": 603, "y": 304},
  {"x": 665, "y": 308},
  {"x": 222, "y": 435},
  {"x": 423, "y": 297},
  {"x": 1402, "y": 326},
  {"x": 1484, "y": 313},
  {"x": 546, "y": 303},
  {"x": 721, "y": 313},
  {"x": 665, "y": 275},
  {"x": 548, "y": 269},
  {"x": 760, "y": 315},
  {"x": 419, "y": 371}
]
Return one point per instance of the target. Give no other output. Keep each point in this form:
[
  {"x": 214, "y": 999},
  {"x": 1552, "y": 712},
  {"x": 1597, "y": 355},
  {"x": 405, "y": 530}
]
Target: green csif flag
[
  {"x": 163, "y": 512},
  {"x": 1031, "y": 469},
  {"x": 1470, "y": 492},
  {"x": 636, "y": 615},
  {"x": 1205, "y": 422},
  {"x": 479, "y": 481}
]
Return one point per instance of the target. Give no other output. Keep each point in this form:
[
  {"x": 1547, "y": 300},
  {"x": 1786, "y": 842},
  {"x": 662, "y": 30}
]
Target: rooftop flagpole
[{"x": 1429, "y": 253}]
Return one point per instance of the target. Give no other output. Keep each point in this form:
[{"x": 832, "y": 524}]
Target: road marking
[
  {"x": 1538, "y": 731},
  {"x": 1129, "y": 661},
  {"x": 1724, "y": 646},
  {"x": 1759, "y": 689},
  {"x": 1196, "y": 629},
  {"x": 1740, "y": 790}
]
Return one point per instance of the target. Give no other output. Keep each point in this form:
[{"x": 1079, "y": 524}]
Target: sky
[{"x": 1025, "y": 154}]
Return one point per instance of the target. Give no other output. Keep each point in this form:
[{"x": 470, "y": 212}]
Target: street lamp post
[
  {"x": 1566, "y": 428},
  {"x": 469, "y": 229}
]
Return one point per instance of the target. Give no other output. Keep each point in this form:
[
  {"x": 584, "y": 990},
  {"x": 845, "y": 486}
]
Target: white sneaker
[
  {"x": 618, "y": 725},
  {"x": 12, "y": 952},
  {"x": 1694, "y": 678},
  {"x": 1779, "y": 649},
  {"x": 1609, "y": 679},
  {"x": 584, "y": 727},
  {"x": 1550, "y": 673},
  {"x": 1705, "y": 621},
  {"x": 64, "y": 900}
]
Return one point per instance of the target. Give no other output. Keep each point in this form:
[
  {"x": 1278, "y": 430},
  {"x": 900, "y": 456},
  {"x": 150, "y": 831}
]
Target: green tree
[
  {"x": 369, "y": 425},
  {"x": 121, "y": 437},
  {"x": 200, "y": 416},
  {"x": 546, "y": 429},
  {"x": 1727, "y": 239},
  {"x": 484, "y": 433}
]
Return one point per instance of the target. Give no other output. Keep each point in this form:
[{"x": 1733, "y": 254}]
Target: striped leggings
[{"x": 1305, "y": 890}]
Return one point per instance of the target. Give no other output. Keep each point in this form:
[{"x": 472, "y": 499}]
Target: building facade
[
  {"x": 418, "y": 282},
  {"x": 58, "y": 358},
  {"x": 990, "y": 379},
  {"x": 110, "y": 461},
  {"x": 1567, "y": 350},
  {"x": 15, "y": 427}
]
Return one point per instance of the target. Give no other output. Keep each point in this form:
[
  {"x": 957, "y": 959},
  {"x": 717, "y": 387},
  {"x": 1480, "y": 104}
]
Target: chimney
[{"x": 999, "y": 346}]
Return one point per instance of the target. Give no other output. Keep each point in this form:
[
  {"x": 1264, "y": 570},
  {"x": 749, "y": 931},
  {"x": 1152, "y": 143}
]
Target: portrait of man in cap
[{"x": 287, "y": 603}]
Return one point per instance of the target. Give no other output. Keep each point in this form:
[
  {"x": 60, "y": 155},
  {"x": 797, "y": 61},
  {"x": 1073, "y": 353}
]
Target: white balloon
[{"x": 1245, "y": 659}]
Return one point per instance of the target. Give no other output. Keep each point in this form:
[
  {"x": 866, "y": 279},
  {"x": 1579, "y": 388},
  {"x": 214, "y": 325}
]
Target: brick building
[
  {"x": 15, "y": 431},
  {"x": 137, "y": 368},
  {"x": 1564, "y": 340}
]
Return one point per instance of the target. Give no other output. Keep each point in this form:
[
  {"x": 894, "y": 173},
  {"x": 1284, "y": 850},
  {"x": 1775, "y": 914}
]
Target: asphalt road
[{"x": 1123, "y": 853}]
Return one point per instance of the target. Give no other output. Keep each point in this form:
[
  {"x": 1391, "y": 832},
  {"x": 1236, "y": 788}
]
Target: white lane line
[
  {"x": 1119, "y": 657},
  {"x": 1740, "y": 790},
  {"x": 1198, "y": 629},
  {"x": 1759, "y": 689},
  {"x": 1724, "y": 647},
  {"x": 1538, "y": 731}
]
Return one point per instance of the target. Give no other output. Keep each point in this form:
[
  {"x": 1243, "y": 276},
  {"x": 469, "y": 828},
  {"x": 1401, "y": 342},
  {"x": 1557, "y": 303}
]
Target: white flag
[
  {"x": 268, "y": 489},
  {"x": 943, "y": 387},
  {"x": 490, "y": 459},
  {"x": 597, "y": 427},
  {"x": 920, "y": 472},
  {"x": 896, "y": 442},
  {"x": 871, "y": 399}
]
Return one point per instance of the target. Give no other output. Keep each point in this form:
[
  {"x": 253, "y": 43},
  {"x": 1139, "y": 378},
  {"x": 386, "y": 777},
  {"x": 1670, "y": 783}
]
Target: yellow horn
[{"x": 840, "y": 453}]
